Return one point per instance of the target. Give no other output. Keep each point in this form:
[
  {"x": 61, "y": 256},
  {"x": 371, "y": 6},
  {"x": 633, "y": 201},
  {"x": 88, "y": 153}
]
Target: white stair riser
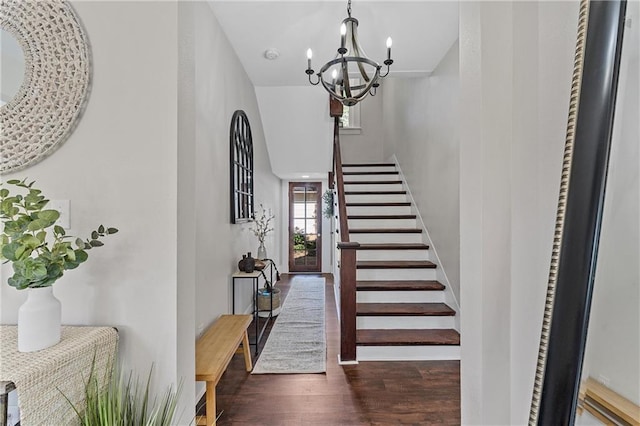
[
  {"x": 395, "y": 274},
  {"x": 374, "y": 187},
  {"x": 376, "y": 198},
  {"x": 432, "y": 296},
  {"x": 360, "y": 178},
  {"x": 404, "y": 323},
  {"x": 386, "y": 238},
  {"x": 407, "y": 353},
  {"x": 372, "y": 210},
  {"x": 382, "y": 223},
  {"x": 392, "y": 255},
  {"x": 369, "y": 169}
]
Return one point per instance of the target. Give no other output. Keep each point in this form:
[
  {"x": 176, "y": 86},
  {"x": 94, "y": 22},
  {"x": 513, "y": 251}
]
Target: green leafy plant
[
  {"x": 119, "y": 400},
  {"x": 39, "y": 250},
  {"x": 298, "y": 238},
  {"x": 327, "y": 197}
]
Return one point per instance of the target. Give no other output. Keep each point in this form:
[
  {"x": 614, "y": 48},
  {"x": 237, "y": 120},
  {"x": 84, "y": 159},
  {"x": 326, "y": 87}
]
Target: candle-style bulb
[
  {"x": 343, "y": 39},
  {"x": 389, "y": 42},
  {"x": 309, "y": 55}
]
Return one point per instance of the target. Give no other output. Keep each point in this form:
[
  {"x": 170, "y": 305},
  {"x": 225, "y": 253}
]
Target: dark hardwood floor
[{"x": 371, "y": 393}]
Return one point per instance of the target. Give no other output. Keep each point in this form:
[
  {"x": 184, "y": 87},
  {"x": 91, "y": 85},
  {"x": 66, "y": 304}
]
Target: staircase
[{"x": 401, "y": 312}]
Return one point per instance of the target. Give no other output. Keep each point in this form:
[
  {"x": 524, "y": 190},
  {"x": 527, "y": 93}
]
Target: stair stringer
[{"x": 441, "y": 274}]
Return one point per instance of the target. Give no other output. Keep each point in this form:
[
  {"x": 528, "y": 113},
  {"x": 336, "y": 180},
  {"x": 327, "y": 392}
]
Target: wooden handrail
[
  {"x": 347, "y": 258},
  {"x": 337, "y": 164}
]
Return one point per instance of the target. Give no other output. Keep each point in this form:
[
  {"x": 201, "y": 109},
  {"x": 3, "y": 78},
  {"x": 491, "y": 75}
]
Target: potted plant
[
  {"x": 261, "y": 227},
  {"x": 40, "y": 252}
]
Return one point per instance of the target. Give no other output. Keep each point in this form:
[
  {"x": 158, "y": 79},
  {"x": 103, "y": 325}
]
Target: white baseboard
[
  {"x": 341, "y": 362},
  {"x": 408, "y": 353}
]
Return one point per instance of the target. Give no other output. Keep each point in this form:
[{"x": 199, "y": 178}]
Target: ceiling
[{"x": 422, "y": 32}]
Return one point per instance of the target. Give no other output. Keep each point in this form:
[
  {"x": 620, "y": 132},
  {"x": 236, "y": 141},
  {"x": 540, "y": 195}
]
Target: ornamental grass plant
[{"x": 121, "y": 400}]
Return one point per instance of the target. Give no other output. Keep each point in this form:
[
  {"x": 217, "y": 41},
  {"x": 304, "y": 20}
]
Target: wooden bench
[{"x": 214, "y": 350}]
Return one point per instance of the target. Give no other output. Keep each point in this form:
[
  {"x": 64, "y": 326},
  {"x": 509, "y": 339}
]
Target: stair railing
[{"x": 347, "y": 263}]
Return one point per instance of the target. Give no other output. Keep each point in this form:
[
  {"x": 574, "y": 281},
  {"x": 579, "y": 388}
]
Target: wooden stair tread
[
  {"x": 385, "y": 231},
  {"x": 382, "y": 216},
  {"x": 395, "y": 264},
  {"x": 375, "y": 192},
  {"x": 393, "y": 246},
  {"x": 407, "y": 337},
  {"x": 615, "y": 404},
  {"x": 370, "y": 173},
  {"x": 404, "y": 309},
  {"x": 418, "y": 285},
  {"x": 386, "y": 204},
  {"x": 369, "y": 165},
  {"x": 373, "y": 182}
]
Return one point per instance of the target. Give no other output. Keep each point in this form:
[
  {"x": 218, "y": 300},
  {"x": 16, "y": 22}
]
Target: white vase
[
  {"x": 39, "y": 320},
  {"x": 262, "y": 252}
]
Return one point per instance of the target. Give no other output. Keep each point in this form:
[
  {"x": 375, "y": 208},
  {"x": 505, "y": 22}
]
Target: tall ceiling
[{"x": 422, "y": 32}]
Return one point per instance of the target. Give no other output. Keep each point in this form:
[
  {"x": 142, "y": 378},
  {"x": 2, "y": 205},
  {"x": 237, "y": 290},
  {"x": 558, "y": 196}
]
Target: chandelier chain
[{"x": 349, "y": 8}]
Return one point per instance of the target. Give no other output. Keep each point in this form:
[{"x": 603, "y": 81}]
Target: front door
[{"x": 305, "y": 205}]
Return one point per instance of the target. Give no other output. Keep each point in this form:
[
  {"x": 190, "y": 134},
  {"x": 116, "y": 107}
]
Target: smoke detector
[{"x": 271, "y": 54}]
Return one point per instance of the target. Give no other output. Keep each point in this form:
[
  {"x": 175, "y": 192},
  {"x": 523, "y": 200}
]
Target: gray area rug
[{"x": 297, "y": 342}]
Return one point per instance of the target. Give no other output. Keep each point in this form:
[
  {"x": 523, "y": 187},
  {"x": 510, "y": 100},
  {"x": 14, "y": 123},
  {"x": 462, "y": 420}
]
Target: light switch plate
[{"x": 63, "y": 207}]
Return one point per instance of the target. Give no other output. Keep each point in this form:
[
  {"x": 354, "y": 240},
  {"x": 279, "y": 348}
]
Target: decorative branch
[{"x": 262, "y": 224}]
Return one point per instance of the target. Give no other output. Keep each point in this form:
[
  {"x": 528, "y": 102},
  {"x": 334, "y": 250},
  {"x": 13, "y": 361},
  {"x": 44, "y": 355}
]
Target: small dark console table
[{"x": 265, "y": 275}]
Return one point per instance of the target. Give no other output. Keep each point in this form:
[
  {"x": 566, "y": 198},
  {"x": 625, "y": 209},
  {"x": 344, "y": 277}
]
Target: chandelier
[{"x": 350, "y": 61}]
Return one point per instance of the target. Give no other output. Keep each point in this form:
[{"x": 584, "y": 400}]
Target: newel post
[{"x": 348, "y": 300}]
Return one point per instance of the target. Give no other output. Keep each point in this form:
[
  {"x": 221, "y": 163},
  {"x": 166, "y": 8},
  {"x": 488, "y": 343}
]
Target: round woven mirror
[{"x": 50, "y": 100}]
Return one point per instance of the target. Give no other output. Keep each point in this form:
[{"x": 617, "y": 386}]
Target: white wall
[
  {"x": 613, "y": 351},
  {"x": 213, "y": 85},
  {"x": 515, "y": 64},
  {"x": 421, "y": 121},
  {"x": 119, "y": 168},
  {"x": 223, "y": 87},
  {"x": 368, "y": 145},
  {"x": 298, "y": 130}
]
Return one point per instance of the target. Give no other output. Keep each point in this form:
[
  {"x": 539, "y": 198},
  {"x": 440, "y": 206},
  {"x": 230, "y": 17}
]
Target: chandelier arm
[
  {"x": 363, "y": 72},
  {"x": 385, "y": 74},
  {"x": 345, "y": 79},
  {"x": 365, "y": 88},
  {"x": 317, "y": 81}
]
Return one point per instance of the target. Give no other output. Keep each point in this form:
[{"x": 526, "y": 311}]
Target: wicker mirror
[{"x": 47, "y": 105}]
